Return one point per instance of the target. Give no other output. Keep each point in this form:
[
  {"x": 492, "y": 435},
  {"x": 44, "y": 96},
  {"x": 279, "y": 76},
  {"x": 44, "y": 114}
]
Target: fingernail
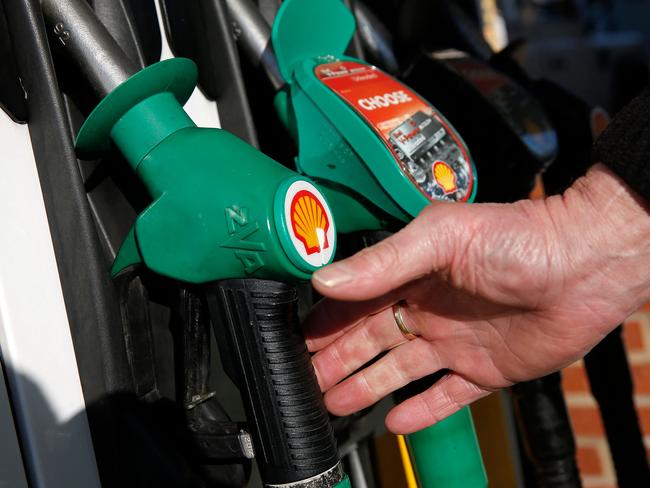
[
  {"x": 318, "y": 379},
  {"x": 333, "y": 275}
]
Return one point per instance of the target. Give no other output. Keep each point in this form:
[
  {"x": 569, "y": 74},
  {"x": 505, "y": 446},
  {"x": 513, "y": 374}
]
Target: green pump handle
[
  {"x": 333, "y": 141},
  {"x": 357, "y": 127},
  {"x": 305, "y": 35},
  {"x": 224, "y": 217},
  {"x": 221, "y": 209},
  {"x": 222, "y": 213},
  {"x": 379, "y": 150}
]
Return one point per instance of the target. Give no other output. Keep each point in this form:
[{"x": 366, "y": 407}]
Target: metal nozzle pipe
[
  {"x": 376, "y": 37},
  {"x": 254, "y": 35},
  {"x": 73, "y": 27}
]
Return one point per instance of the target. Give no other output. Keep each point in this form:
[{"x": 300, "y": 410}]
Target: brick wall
[{"x": 593, "y": 453}]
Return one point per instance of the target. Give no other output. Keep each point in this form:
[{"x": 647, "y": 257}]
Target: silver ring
[{"x": 399, "y": 320}]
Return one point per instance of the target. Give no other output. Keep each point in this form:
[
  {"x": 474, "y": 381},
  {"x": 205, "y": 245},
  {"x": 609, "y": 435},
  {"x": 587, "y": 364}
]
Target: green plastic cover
[{"x": 307, "y": 28}]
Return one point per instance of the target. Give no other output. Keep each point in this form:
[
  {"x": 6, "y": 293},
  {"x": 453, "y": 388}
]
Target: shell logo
[
  {"x": 309, "y": 236},
  {"x": 444, "y": 176},
  {"x": 310, "y": 222}
]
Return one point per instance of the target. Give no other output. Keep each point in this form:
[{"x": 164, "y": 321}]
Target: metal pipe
[
  {"x": 357, "y": 475},
  {"x": 377, "y": 40},
  {"x": 254, "y": 36},
  {"x": 75, "y": 29}
]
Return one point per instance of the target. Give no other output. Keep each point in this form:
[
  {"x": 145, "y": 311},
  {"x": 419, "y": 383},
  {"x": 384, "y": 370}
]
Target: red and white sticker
[
  {"x": 415, "y": 133},
  {"x": 310, "y": 223}
]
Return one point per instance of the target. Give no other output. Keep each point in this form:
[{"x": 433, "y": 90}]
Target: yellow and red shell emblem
[
  {"x": 444, "y": 176},
  {"x": 309, "y": 222}
]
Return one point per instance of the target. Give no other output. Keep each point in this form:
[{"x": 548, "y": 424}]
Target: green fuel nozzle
[
  {"x": 228, "y": 218},
  {"x": 221, "y": 209},
  {"x": 381, "y": 151}
]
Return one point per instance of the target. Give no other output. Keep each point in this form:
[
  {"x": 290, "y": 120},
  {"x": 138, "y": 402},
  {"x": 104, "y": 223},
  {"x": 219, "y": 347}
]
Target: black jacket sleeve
[{"x": 625, "y": 146}]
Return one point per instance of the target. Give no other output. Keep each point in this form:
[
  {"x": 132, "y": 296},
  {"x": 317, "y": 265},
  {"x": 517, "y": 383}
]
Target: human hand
[{"x": 497, "y": 294}]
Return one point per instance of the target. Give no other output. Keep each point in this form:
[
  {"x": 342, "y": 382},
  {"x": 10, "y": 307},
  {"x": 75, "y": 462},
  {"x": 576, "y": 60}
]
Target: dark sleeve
[{"x": 625, "y": 146}]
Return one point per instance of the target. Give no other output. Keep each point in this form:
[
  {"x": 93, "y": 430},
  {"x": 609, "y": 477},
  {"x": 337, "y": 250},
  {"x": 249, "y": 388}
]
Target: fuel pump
[
  {"x": 380, "y": 151},
  {"x": 230, "y": 222}
]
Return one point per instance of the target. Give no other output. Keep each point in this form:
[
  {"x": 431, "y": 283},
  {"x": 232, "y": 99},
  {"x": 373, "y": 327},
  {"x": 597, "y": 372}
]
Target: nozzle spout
[
  {"x": 254, "y": 35},
  {"x": 75, "y": 29}
]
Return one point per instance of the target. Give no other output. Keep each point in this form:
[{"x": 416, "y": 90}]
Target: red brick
[
  {"x": 633, "y": 336},
  {"x": 589, "y": 461},
  {"x": 641, "y": 377},
  {"x": 574, "y": 379},
  {"x": 586, "y": 421},
  {"x": 644, "y": 419}
]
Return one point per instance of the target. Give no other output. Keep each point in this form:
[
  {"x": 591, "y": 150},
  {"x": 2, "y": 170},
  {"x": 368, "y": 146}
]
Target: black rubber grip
[{"x": 264, "y": 353}]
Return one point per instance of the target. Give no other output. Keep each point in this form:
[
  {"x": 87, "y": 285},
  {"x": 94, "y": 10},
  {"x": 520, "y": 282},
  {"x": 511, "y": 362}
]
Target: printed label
[
  {"x": 415, "y": 133},
  {"x": 310, "y": 222}
]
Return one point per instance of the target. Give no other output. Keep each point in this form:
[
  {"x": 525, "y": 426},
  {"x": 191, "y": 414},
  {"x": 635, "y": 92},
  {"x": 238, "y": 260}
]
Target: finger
[
  {"x": 369, "y": 338},
  {"x": 426, "y": 244},
  {"x": 443, "y": 399},
  {"x": 330, "y": 319},
  {"x": 399, "y": 367}
]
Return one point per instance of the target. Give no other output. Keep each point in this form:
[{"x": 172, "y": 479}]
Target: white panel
[{"x": 35, "y": 340}]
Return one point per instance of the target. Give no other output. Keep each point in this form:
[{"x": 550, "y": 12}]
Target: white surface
[{"x": 35, "y": 341}]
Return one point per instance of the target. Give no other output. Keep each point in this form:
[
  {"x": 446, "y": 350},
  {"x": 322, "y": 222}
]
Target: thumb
[{"x": 426, "y": 245}]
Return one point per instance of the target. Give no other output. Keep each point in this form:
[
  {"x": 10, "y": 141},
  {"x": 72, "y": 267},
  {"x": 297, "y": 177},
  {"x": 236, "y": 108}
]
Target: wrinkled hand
[{"x": 497, "y": 294}]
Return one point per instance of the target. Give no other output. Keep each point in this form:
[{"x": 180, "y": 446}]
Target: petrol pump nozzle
[
  {"x": 375, "y": 140},
  {"x": 368, "y": 137},
  {"x": 224, "y": 217},
  {"x": 141, "y": 113},
  {"x": 381, "y": 152}
]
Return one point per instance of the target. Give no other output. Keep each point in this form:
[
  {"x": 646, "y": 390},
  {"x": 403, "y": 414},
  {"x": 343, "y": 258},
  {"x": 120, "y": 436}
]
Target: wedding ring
[{"x": 399, "y": 320}]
